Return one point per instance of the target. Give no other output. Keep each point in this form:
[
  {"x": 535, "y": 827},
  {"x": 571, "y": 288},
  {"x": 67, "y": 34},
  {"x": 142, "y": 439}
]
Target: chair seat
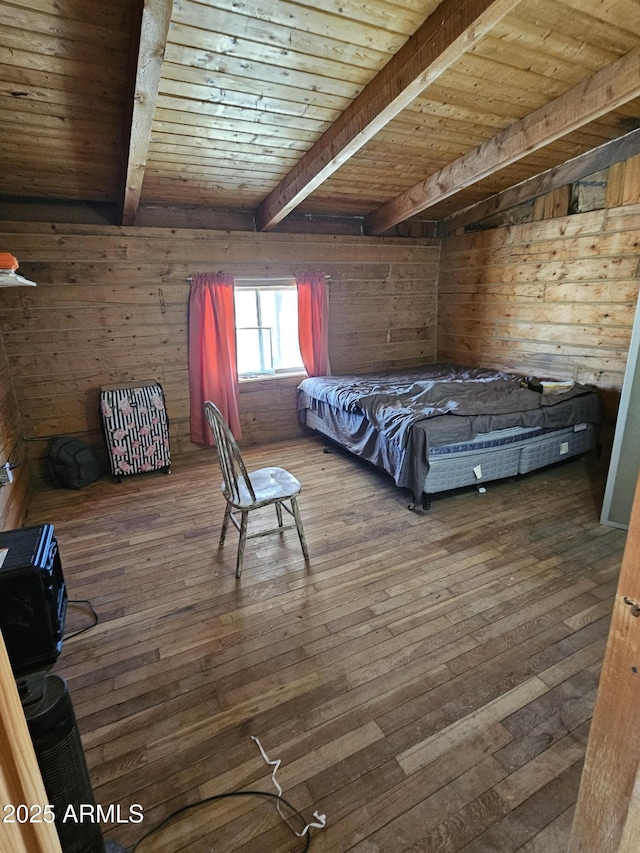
[{"x": 269, "y": 485}]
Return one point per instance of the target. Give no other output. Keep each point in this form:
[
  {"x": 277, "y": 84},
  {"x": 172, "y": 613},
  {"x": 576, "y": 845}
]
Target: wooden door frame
[
  {"x": 625, "y": 453},
  {"x": 607, "y": 818},
  {"x": 20, "y": 779}
]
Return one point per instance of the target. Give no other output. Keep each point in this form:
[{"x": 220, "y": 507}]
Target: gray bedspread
[{"x": 444, "y": 404}]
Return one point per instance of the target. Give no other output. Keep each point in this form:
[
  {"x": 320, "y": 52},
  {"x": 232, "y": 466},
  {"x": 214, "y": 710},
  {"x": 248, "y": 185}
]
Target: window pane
[
  {"x": 269, "y": 318},
  {"x": 246, "y": 307},
  {"x": 254, "y": 351},
  {"x": 267, "y": 329},
  {"x": 279, "y": 310}
]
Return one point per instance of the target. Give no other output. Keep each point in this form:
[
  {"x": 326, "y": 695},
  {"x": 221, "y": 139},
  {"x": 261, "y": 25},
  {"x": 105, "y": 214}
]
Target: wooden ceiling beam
[
  {"x": 606, "y": 90},
  {"x": 454, "y": 27},
  {"x": 156, "y": 17},
  {"x": 578, "y": 167}
]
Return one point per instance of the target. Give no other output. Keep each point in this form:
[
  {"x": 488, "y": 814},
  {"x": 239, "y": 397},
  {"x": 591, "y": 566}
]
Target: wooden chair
[{"x": 246, "y": 491}]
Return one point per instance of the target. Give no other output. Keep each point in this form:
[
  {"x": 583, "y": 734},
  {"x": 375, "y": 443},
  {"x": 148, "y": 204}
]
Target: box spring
[{"x": 491, "y": 456}]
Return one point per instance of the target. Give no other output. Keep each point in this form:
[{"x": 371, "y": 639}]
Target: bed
[{"x": 445, "y": 426}]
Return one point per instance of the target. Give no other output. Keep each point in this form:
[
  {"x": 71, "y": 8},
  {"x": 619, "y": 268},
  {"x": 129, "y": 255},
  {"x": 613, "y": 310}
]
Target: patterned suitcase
[{"x": 136, "y": 428}]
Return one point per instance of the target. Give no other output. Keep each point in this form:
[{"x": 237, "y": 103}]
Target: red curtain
[
  {"x": 313, "y": 322},
  {"x": 213, "y": 372}
]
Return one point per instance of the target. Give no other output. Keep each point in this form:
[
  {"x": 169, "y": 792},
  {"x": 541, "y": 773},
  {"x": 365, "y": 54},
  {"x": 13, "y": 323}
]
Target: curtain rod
[{"x": 189, "y": 278}]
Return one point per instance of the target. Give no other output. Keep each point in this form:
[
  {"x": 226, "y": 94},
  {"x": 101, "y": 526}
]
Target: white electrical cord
[{"x": 320, "y": 819}]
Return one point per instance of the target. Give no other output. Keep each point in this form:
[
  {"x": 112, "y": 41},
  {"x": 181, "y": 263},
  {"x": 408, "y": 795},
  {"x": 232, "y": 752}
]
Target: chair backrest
[{"x": 229, "y": 456}]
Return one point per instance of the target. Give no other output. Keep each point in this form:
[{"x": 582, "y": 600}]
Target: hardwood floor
[{"x": 427, "y": 680}]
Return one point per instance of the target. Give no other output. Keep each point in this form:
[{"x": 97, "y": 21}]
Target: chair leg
[
  {"x": 296, "y": 515},
  {"x": 225, "y": 524},
  {"x": 279, "y": 513},
  {"x": 241, "y": 541}
]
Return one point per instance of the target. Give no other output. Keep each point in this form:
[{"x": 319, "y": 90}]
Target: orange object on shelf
[{"x": 7, "y": 261}]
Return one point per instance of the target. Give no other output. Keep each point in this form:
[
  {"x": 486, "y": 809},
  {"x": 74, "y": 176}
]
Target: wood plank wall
[
  {"x": 553, "y": 298},
  {"x": 111, "y": 306},
  {"x": 15, "y": 497}
]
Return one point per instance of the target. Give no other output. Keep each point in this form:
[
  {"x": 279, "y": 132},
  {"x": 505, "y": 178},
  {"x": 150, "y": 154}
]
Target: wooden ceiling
[{"x": 363, "y": 108}]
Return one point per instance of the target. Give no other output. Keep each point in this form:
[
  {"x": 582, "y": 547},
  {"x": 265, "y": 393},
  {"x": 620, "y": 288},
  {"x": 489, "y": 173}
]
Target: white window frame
[{"x": 265, "y": 284}]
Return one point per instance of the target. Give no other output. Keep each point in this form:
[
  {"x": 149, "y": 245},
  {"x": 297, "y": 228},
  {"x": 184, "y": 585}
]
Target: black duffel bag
[{"x": 73, "y": 463}]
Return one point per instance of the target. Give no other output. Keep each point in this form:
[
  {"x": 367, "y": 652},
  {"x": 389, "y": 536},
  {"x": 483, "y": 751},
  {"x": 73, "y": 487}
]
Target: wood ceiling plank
[
  {"x": 279, "y": 17},
  {"x": 257, "y": 44},
  {"x": 94, "y": 187},
  {"x": 207, "y": 99},
  {"x": 175, "y": 192},
  {"x": 66, "y": 68},
  {"x": 454, "y": 138},
  {"x": 56, "y": 48},
  {"x": 223, "y": 85},
  {"x": 522, "y": 63},
  {"x": 56, "y": 153},
  {"x": 479, "y": 80},
  {"x": 278, "y": 111},
  {"x": 52, "y": 26},
  {"x": 81, "y": 84},
  {"x": 108, "y": 15},
  {"x": 613, "y": 86},
  {"x": 195, "y": 156},
  {"x": 445, "y": 35},
  {"x": 64, "y": 89},
  {"x": 268, "y": 126},
  {"x": 354, "y": 20},
  {"x": 59, "y": 100},
  {"x": 341, "y": 80},
  {"x": 58, "y": 149},
  {"x": 49, "y": 111},
  {"x": 156, "y": 17},
  {"x": 385, "y": 15},
  {"x": 601, "y": 31},
  {"x": 625, "y": 11},
  {"x": 199, "y": 135},
  {"x": 220, "y": 178},
  {"x": 191, "y": 172},
  {"x": 172, "y": 143},
  {"x": 436, "y": 114},
  {"x": 71, "y": 129},
  {"x": 204, "y": 172},
  {"x": 542, "y": 68},
  {"x": 543, "y": 50}
]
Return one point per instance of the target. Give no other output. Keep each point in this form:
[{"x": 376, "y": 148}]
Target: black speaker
[
  {"x": 33, "y": 597},
  {"x": 56, "y": 741}
]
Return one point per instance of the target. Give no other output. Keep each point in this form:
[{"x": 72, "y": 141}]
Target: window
[{"x": 266, "y": 328}]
